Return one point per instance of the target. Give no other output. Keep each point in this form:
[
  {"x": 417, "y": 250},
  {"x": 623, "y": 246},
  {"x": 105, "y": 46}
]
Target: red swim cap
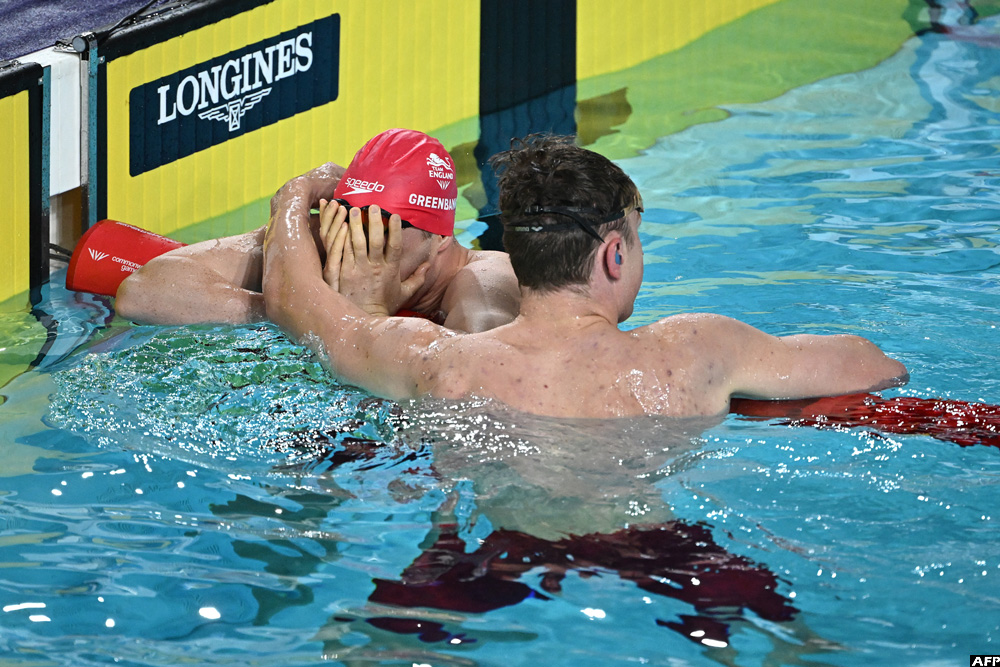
[{"x": 408, "y": 173}]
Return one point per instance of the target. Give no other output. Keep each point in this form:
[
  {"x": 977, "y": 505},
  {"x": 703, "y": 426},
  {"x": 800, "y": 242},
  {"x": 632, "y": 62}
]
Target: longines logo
[
  {"x": 228, "y": 96},
  {"x": 232, "y": 112}
]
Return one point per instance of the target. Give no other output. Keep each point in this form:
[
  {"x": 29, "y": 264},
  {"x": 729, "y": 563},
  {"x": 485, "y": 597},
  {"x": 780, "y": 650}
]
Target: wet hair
[{"x": 549, "y": 248}]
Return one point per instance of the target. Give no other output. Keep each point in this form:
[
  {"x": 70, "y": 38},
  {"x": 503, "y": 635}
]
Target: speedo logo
[
  {"x": 234, "y": 93},
  {"x": 96, "y": 255},
  {"x": 359, "y": 187}
]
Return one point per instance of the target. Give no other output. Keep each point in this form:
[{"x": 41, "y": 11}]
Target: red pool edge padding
[
  {"x": 109, "y": 252},
  {"x": 960, "y": 422}
]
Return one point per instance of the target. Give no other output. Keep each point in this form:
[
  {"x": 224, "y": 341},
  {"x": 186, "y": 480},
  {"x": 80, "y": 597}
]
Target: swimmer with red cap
[
  {"x": 399, "y": 172},
  {"x": 571, "y": 227}
]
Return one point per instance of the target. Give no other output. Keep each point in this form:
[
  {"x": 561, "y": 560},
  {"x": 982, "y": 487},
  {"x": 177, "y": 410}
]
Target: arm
[
  {"x": 803, "y": 366},
  {"x": 213, "y": 281},
  {"x": 218, "y": 280},
  {"x": 483, "y": 295},
  {"x": 385, "y": 355}
]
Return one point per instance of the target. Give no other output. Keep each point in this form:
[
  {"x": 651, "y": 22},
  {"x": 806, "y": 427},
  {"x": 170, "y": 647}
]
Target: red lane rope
[{"x": 960, "y": 422}]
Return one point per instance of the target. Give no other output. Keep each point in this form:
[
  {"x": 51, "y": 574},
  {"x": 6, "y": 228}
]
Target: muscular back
[
  {"x": 595, "y": 372},
  {"x": 681, "y": 366}
]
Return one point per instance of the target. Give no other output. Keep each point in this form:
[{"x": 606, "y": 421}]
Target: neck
[{"x": 565, "y": 309}]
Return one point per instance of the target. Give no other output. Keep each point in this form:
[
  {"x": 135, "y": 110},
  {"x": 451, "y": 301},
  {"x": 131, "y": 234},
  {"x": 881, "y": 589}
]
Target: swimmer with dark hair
[{"x": 571, "y": 227}]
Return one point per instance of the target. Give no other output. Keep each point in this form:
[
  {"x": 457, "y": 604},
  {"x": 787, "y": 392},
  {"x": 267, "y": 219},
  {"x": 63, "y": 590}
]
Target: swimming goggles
[
  {"x": 574, "y": 213},
  {"x": 364, "y": 210}
]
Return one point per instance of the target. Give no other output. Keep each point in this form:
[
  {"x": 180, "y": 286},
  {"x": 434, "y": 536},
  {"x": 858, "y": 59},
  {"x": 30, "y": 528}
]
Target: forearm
[
  {"x": 307, "y": 309},
  {"x": 292, "y": 265},
  {"x": 375, "y": 353},
  {"x": 808, "y": 366},
  {"x": 182, "y": 291}
]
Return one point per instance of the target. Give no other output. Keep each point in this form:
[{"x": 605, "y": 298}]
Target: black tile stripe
[
  {"x": 527, "y": 50},
  {"x": 527, "y": 82}
]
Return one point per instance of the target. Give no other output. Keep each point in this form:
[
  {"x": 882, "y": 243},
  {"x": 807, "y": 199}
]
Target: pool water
[{"x": 209, "y": 495}]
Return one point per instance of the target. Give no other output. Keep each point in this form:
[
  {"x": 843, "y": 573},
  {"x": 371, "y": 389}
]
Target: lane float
[{"x": 961, "y": 422}]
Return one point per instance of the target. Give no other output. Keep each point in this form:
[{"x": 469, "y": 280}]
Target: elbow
[
  {"x": 281, "y": 299},
  {"x": 128, "y": 299},
  {"x": 896, "y": 374},
  {"x": 275, "y": 300},
  {"x": 273, "y": 283},
  {"x": 885, "y": 371}
]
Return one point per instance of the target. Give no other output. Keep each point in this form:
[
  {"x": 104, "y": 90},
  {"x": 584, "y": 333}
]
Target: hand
[
  {"x": 333, "y": 235},
  {"x": 366, "y": 270}
]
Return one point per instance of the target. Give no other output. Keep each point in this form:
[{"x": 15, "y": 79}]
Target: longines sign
[{"x": 239, "y": 92}]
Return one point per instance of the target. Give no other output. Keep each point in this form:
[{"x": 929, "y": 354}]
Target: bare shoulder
[
  {"x": 486, "y": 265},
  {"x": 700, "y": 342},
  {"x": 704, "y": 327},
  {"x": 483, "y": 294},
  {"x": 486, "y": 271},
  {"x": 449, "y": 364},
  {"x": 708, "y": 345},
  {"x": 416, "y": 357}
]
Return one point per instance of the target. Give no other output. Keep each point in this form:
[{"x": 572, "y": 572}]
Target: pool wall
[
  {"x": 192, "y": 116},
  {"x": 20, "y": 186}
]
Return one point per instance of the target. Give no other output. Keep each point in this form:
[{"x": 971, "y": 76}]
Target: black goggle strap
[
  {"x": 364, "y": 209},
  {"x": 576, "y": 214}
]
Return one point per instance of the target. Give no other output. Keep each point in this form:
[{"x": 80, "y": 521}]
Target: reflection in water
[
  {"x": 289, "y": 561},
  {"x": 675, "y": 560},
  {"x": 560, "y": 498},
  {"x": 518, "y": 502},
  {"x": 599, "y": 116},
  {"x": 957, "y": 19}
]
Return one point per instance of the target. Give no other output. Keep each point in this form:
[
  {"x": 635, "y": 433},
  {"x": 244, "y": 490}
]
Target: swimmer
[
  {"x": 403, "y": 171},
  {"x": 571, "y": 226}
]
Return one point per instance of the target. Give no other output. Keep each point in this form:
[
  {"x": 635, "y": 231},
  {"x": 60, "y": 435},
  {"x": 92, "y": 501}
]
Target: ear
[
  {"x": 445, "y": 243},
  {"x": 613, "y": 257}
]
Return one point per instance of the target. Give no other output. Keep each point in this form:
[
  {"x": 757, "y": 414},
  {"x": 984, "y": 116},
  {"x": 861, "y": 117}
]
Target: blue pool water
[{"x": 209, "y": 495}]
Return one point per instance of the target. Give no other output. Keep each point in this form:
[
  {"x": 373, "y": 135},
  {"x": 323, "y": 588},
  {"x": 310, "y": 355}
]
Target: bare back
[
  {"x": 682, "y": 366},
  {"x": 595, "y": 371}
]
